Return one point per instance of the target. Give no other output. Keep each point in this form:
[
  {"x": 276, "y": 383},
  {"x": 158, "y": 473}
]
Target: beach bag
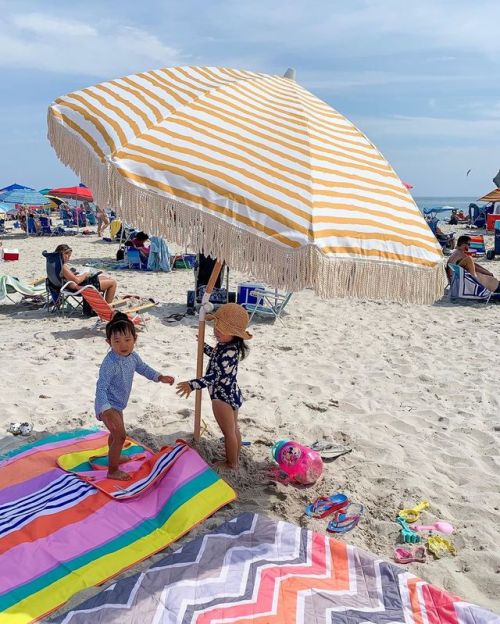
[{"x": 120, "y": 254}]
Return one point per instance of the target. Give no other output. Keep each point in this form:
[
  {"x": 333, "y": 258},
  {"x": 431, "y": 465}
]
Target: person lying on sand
[
  {"x": 231, "y": 321},
  {"x": 115, "y": 383},
  {"x": 460, "y": 257}
]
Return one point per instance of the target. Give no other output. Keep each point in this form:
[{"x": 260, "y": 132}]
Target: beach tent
[{"x": 255, "y": 171}]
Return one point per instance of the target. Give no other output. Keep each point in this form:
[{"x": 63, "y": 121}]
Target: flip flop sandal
[
  {"x": 405, "y": 555},
  {"x": 15, "y": 428},
  {"x": 25, "y": 428},
  {"x": 326, "y": 505},
  {"x": 347, "y": 519},
  {"x": 329, "y": 450}
]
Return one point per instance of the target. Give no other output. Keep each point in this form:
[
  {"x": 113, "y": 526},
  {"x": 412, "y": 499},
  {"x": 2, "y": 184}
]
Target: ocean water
[{"x": 460, "y": 203}]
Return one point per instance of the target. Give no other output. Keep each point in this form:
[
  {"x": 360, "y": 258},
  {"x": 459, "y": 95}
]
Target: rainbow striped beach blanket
[
  {"x": 253, "y": 569},
  {"x": 59, "y": 534}
]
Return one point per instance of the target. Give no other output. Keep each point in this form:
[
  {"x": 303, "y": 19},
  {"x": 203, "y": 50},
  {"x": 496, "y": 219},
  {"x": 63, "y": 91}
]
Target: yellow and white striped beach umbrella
[{"x": 256, "y": 171}]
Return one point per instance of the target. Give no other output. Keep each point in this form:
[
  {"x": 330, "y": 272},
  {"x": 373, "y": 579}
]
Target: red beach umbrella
[{"x": 73, "y": 192}]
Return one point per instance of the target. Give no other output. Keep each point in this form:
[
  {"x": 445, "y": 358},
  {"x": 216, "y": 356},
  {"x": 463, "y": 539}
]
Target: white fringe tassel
[{"x": 278, "y": 266}]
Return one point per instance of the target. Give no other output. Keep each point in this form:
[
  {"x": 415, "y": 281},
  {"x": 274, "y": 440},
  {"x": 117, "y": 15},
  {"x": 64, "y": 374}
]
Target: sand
[{"x": 411, "y": 389}]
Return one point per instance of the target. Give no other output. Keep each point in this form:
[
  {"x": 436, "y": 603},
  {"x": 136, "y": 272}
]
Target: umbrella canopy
[
  {"x": 493, "y": 196},
  {"x": 74, "y": 192},
  {"x": 55, "y": 200},
  {"x": 407, "y": 185},
  {"x": 256, "y": 171},
  {"x": 26, "y": 197},
  {"x": 438, "y": 209},
  {"x": 15, "y": 187}
]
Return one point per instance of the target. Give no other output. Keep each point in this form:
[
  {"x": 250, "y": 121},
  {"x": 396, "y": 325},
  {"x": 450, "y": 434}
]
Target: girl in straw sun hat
[{"x": 230, "y": 331}]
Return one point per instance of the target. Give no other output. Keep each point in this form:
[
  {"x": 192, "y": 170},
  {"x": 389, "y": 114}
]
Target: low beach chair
[
  {"x": 134, "y": 258},
  {"x": 45, "y": 227},
  {"x": 270, "y": 303},
  {"x": 463, "y": 285},
  {"x": 105, "y": 311},
  {"x": 34, "y": 292}
]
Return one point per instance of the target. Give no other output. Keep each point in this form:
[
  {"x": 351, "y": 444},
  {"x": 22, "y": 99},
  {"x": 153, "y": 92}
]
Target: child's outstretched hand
[
  {"x": 183, "y": 389},
  {"x": 166, "y": 379}
]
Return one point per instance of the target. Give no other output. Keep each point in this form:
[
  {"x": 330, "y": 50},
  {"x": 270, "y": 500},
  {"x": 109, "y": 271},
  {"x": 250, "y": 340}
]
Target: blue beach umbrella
[
  {"x": 26, "y": 197},
  {"x": 15, "y": 187}
]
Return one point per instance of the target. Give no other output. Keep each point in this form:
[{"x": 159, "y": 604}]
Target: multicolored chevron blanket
[
  {"x": 60, "y": 534},
  {"x": 253, "y": 569}
]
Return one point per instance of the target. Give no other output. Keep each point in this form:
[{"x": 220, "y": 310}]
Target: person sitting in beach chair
[
  {"x": 139, "y": 242},
  {"x": 479, "y": 273},
  {"x": 104, "y": 283}
]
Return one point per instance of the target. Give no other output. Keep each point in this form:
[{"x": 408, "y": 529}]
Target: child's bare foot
[
  {"x": 119, "y": 475},
  {"x": 225, "y": 465}
]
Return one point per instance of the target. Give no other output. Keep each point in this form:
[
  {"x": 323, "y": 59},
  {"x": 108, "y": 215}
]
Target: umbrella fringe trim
[
  {"x": 75, "y": 154},
  {"x": 302, "y": 268},
  {"x": 305, "y": 267}
]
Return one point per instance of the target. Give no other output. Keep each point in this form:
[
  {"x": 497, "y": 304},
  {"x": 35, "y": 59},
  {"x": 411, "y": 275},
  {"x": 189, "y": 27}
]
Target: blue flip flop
[
  {"x": 325, "y": 505},
  {"x": 346, "y": 519}
]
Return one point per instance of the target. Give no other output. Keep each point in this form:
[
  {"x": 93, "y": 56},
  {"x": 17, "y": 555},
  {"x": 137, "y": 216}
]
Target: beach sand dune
[{"x": 411, "y": 389}]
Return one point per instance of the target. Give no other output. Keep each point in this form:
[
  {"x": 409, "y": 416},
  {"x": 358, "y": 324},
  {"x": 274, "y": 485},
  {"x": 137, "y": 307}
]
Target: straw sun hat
[{"x": 231, "y": 319}]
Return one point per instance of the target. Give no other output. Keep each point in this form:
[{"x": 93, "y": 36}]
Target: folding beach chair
[
  {"x": 34, "y": 292},
  {"x": 105, "y": 311},
  {"x": 269, "y": 303},
  {"x": 463, "y": 285},
  {"x": 134, "y": 258},
  {"x": 61, "y": 296},
  {"x": 45, "y": 227}
]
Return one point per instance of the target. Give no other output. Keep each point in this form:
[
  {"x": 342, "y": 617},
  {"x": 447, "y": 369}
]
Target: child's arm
[
  {"x": 101, "y": 392},
  {"x": 184, "y": 388},
  {"x": 146, "y": 371}
]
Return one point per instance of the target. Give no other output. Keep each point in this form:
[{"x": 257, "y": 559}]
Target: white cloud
[
  {"x": 436, "y": 128},
  {"x": 55, "y": 44},
  {"x": 41, "y": 24}
]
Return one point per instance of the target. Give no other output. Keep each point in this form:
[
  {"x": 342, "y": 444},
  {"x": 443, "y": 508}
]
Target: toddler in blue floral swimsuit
[{"x": 231, "y": 321}]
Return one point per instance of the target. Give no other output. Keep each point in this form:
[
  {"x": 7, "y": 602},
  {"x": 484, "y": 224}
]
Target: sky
[{"x": 420, "y": 79}]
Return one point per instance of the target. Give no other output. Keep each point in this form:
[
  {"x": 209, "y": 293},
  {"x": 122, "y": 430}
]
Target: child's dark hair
[
  {"x": 241, "y": 347},
  {"x": 120, "y": 324}
]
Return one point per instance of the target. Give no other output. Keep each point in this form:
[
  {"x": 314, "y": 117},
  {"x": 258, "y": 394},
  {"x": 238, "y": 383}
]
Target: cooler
[
  {"x": 243, "y": 296},
  {"x": 10, "y": 255},
  {"x": 490, "y": 221}
]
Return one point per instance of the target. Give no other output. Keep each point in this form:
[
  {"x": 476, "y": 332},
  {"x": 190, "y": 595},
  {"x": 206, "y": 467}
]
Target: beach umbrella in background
[
  {"x": 25, "y": 197},
  {"x": 256, "y": 171},
  {"x": 78, "y": 193},
  {"x": 15, "y": 187},
  {"x": 492, "y": 196},
  {"x": 407, "y": 185},
  {"x": 496, "y": 179}
]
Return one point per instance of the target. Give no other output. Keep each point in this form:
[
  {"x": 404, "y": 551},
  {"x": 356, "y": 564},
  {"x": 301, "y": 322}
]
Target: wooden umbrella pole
[{"x": 201, "y": 344}]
